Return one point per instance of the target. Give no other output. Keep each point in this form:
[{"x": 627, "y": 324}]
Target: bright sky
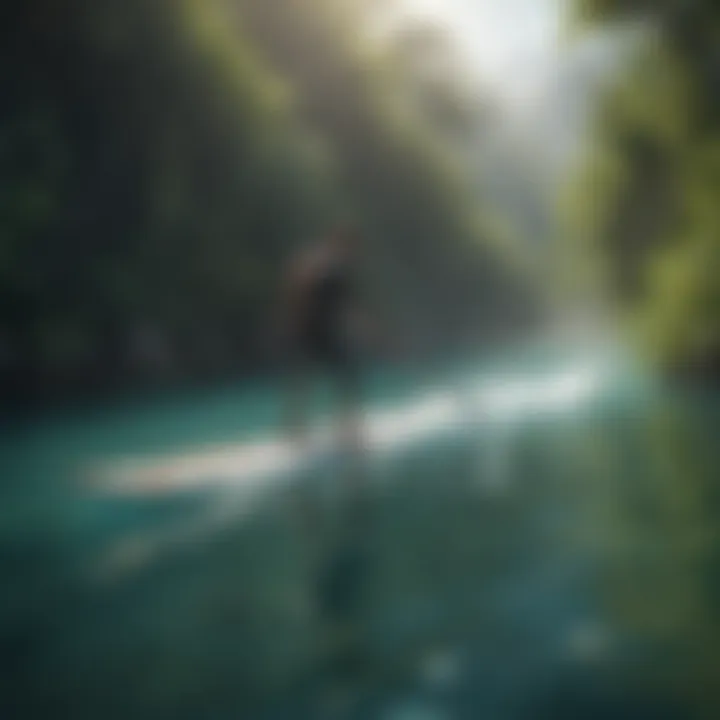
[{"x": 514, "y": 44}]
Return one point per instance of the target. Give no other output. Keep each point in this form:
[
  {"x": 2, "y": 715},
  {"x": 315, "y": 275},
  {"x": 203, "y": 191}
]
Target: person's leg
[
  {"x": 351, "y": 440},
  {"x": 296, "y": 398},
  {"x": 350, "y": 423},
  {"x": 305, "y": 510}
]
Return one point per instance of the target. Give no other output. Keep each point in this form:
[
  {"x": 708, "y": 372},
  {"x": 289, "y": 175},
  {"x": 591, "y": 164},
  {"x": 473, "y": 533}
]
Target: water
[{"x": 538, "y": 541}]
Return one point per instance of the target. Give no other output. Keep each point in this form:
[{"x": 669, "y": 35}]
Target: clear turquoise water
[{"x": 559, "y": 561}]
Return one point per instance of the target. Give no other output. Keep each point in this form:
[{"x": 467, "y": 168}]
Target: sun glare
[{"x": 512, "y": 45}]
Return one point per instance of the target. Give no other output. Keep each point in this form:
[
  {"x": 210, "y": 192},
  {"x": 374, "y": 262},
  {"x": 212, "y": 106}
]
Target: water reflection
[
  {"x": 491, "y": 409},
  {"x": 522, "y": 564},
  {"x": 655, "y": 538}
]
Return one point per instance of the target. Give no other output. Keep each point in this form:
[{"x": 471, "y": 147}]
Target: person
[
  {"x": 324, "y": 326},
  {"x": 327, "y": 328}
]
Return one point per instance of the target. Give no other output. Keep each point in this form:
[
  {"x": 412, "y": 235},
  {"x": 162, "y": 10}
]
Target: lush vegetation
[
  {"x": 646, "y": 212},
  {"x": 161, "y": 158}
]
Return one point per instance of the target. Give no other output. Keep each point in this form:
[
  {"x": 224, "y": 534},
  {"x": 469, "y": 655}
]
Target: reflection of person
[{"x": 323, "y": 324}]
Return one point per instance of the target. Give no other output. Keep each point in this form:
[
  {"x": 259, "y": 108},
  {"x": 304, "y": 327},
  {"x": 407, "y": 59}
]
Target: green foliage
[
  {"x": 644, "y": 210},
  {"x": 161, "y": 158}
]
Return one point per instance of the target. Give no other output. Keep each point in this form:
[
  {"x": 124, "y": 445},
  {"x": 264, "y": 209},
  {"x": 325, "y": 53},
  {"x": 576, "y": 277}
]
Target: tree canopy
[
  {"x": 161, "y": 158},
  {"x": 646, "y": 207}
]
